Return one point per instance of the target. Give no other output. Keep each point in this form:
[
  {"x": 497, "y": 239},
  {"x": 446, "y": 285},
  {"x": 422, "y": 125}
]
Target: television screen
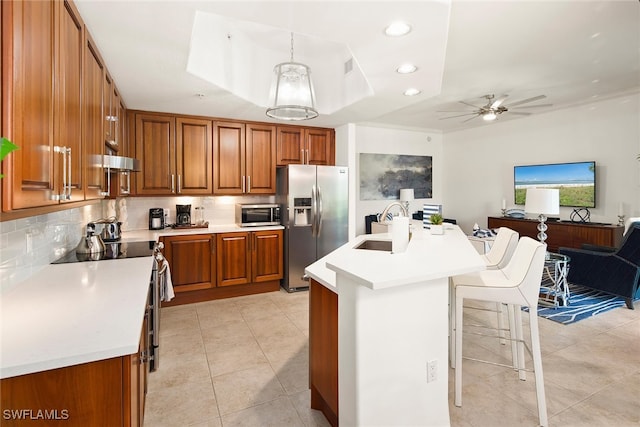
[{"x": 576, "y": 182}]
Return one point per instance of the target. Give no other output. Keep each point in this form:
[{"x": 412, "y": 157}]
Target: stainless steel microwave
[{"x": 257, "y": 215}]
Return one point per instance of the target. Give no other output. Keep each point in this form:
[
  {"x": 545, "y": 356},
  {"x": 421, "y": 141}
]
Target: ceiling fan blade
[
  {"x": 524, "y": 101},
  {"x": 470, "y": 105},
  {"x": 455, "y": 111},
  {"x": 536, "y": 106},
  {"x": 459, "y": 115},
  {"x": 498, "y": 101},
  {"x": 465, "y": 121},
  {"x": 519, "y": 113}
]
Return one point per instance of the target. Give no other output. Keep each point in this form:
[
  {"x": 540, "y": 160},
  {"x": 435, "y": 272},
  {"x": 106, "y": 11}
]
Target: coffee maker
[
  {"x": 183, "y": 214},
  {"x": 156, "y": 219}
]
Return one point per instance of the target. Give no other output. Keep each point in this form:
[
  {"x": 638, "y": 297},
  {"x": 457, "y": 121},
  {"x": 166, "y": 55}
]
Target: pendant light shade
[{"x": 292, "y": 92}]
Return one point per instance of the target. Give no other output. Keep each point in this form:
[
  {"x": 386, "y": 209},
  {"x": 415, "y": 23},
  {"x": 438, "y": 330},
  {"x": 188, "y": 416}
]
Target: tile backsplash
[
  {"x": 29, "y": 244},
  {"x": 133, "y": 212}
]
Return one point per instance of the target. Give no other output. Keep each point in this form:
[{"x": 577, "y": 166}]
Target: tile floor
[{"x": 244, "y": 362}]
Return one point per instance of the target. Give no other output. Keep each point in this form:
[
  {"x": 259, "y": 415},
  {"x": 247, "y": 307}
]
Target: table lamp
[
  {"x": 406, "y": 196},
  {"x": 542, "y": 201}
]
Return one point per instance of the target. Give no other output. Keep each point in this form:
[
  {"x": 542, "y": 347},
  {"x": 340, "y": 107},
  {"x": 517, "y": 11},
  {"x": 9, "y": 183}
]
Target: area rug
[{"x": 583, "y": 303}]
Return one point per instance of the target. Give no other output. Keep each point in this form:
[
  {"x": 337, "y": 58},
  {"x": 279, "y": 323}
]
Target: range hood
[
  {"x": 116, "y": 163},
  {"x": 121, "y": 163}
]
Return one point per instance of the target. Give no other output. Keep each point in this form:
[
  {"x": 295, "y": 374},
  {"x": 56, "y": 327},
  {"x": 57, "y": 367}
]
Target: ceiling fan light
[
  {"x": 397, "y": 29},
  {"x": 489, "y": 116},
  {"x": 412, "y": 92}
]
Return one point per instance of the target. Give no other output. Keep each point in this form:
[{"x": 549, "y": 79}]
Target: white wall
[
  {"x": 478, "y": 163},
  {"x": 370, "y": 139}
]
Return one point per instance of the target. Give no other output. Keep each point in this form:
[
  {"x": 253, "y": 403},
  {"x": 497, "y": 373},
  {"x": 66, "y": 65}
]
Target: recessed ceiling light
[
  {"x": 406, "y": 69},
  {"x": 412, "y": 92},
  {"x": 397, "y": 29}
]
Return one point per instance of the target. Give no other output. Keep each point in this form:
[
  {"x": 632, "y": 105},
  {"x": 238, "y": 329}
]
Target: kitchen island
[{"x": 392, "y": 327}]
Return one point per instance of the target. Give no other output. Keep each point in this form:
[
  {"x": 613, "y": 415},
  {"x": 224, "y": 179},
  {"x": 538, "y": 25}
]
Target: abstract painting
[{"x": 383, "y": 175}]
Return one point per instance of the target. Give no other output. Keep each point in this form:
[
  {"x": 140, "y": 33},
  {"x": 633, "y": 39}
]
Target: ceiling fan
[{"x": 494, "y": 108}]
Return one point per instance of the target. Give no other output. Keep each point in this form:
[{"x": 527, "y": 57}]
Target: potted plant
[
  {"x": 436, "y": 226},
  {"x": 6, "y": 147}
]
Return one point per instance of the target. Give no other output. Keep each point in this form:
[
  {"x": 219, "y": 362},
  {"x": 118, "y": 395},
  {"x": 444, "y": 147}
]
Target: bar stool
[
  {"x": 517, "y": 284},
  {"x": 498, "y": 256}
]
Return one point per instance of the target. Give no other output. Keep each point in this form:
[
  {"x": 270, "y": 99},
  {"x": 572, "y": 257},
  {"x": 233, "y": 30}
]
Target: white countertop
[
  {"x": 67, "y": 314},
  {"x": 138, "y": 235},
  {"x": 427, "y": 257}
]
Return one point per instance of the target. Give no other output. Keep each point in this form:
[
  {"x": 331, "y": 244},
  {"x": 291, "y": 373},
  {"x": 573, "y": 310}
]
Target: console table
[{"x": 563, "y": 233}]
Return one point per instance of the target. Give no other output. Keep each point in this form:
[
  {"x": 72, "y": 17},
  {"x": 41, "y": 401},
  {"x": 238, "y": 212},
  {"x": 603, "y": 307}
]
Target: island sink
[{"x": 375, "y": 245}]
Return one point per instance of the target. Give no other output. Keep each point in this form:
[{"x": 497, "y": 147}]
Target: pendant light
[{"x": 292, "y": 92}]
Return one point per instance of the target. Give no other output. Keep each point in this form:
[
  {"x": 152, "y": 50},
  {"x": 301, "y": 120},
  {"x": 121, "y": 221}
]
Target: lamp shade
[
  {"x": 292, "y": 93},
  {"x": 544, "y": 201},
  {"x": 406, "y": 194}
]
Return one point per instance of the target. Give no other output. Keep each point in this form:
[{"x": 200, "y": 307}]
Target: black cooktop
[{"x": 114, "y": 250}]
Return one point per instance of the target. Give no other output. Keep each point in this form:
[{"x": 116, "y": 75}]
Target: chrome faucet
[{"x": 383, "y": 215}]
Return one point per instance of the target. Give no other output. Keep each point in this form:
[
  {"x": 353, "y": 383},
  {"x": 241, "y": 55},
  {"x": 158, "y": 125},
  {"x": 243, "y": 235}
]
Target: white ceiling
[{"x": 572, "y": 51}]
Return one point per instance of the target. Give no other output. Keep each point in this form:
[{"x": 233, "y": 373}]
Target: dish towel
[{"x": 166, "y": 291}]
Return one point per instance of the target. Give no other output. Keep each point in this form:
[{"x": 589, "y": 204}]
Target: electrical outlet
[
  {"x": 432, "y": 370},
  {"x": 29, "y": 242}
]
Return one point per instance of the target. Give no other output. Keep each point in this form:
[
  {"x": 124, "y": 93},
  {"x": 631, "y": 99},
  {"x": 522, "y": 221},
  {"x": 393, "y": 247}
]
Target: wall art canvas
[{"x": 383, "y": 175}]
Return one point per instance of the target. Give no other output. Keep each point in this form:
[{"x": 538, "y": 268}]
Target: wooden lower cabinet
[
  {"x": 223, "y": 265},
  {"x": 323, "y": 350},
  {"x": 192, "y": 261},
  {"x": 233, "y": 260},
  {"x": 267, "y": 256},
  {"x": 108, "y": 392},
  {"x": 561, "y": 233}
]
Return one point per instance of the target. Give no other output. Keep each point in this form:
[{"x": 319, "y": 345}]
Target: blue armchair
[{"x": 616, "y": 272}]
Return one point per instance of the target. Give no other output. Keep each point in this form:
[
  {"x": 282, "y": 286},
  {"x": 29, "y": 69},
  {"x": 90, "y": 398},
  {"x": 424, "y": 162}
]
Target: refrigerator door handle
[
  {"x": 319, "y": 212},
  {"x": 314, "y": 211}
]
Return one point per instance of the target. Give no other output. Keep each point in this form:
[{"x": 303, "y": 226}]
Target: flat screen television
[{"x": 576, "y": 182}]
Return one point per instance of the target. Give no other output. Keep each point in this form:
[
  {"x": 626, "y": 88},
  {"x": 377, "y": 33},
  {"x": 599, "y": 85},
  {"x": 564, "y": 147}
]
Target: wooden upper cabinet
[
  {"x": 308, "y": 146},
  {"x": 93, "y": 120},
  {"x": 244, "y": 158},
  {"x": 260, "y": 159},
  {"x": 175, "y": 154},
  {"x": 28, "y": 41},
  {"x": 228, "y": 153},
  {"x": 155, "y": 149},
  {"x": 68, "y": 96},
  {"x": 290, "y": 146},
  {"x": 320, "y": 146},
  {"x": 194, "y": 159}
]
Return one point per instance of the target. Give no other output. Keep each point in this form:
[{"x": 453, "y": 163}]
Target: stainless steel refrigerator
[{"x": 315, "y": 207}]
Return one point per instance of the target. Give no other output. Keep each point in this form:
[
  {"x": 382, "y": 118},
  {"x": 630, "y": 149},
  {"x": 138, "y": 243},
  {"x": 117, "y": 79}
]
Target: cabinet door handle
[
  {"x": 66, "y": 173},
  {"x": 179, "y": 183},
  {"x": 307, "y": 151},
  {"x": 248, "y": 183},
  {"x": 173, "y": 183},
  {"x": 128, "y": 190},
  {"x": 69, "y": 177},
  {"x": 302, "y": 155}
]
